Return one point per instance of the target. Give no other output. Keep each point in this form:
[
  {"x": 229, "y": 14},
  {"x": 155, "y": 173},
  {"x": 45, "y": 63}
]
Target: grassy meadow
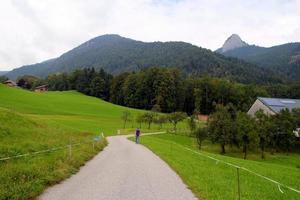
[
  {"x": 26, "y": 177},
  {"x": 209, "y": 179},
  {"x": 31, "y": 122},
  {"x": 69, "y": 109}
]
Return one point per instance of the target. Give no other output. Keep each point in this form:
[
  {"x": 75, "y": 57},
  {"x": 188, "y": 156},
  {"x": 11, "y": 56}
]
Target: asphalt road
[{"x": 123, "y": 171}]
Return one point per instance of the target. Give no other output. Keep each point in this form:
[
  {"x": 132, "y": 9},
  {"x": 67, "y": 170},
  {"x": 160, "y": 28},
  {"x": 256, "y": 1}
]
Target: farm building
[
  {"x": 42, "y": 88},
  {"x": 10, "y": 83},
  {"x": 203, "y": 117},
  {"x": 272, "y": 106}
]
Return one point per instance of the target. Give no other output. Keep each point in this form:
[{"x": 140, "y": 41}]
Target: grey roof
[{"x": 277, "y": 104}]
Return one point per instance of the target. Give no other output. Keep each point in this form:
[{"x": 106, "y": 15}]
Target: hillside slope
[
  {"x": 67, "y": 109},
  {"x": 117, "y": 54},
  {"x": 3, "y": 72},
  {"x": 26, "y": 177}
]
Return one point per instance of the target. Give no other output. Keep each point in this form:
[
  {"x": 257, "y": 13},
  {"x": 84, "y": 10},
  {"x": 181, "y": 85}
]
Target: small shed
[
  {"x": 272, "y": 106},
  {"x": 10, "y": 83},
  {"x": 41, "y": 88}
]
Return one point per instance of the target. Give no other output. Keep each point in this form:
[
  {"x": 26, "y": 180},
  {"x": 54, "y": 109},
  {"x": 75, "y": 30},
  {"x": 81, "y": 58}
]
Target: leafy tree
[
  {"x": 98, "y": 87},
  {"x": 176, "y": 117},
  {"x": 3, "y": 79},
  {"x": 263, "y": 127},
  {"x": 148, "y": 117},
  {"x": 156, "y": 108},
  {"x": 192, "y": 124},
  {"x": 126, "y": 115},
  {"x": 160, "y": 120},
  {"x": 139, "y": 119},
  {"x": 201, "y": 134},
  {"x": 220, "y": 127},
  {"x": 27, "y": 81},
  {"x": 246, "y": 131},
  {"x": 285, "y": 125}
]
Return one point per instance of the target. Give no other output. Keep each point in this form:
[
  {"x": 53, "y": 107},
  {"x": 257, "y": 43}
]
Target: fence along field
[
  {"x": 212, "y": 176},
  {"x": 38, "y": 125},
  {"x": 34, "y": 154}
]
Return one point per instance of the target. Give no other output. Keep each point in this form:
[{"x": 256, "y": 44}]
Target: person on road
[{"x": 137, "y": 135}]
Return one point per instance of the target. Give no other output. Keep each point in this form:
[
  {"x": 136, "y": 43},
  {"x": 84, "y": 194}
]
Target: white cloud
[{"x": 33, "y": 30}]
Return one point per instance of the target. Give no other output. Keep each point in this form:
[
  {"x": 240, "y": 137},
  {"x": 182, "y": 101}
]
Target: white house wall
[{"x": 258, "y": 105}]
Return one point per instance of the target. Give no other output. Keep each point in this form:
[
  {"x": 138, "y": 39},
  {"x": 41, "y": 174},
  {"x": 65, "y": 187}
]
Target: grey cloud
[{"x": 34, "y": 30}]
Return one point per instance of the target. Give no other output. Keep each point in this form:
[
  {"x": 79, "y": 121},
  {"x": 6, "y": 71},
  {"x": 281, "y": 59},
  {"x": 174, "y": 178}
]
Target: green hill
[
  {"x": 117, "y": 54},
  {"x": 31, "y": 122},
  {"x": 26, "y": 177},
  {"x": 69, "y": 109}
]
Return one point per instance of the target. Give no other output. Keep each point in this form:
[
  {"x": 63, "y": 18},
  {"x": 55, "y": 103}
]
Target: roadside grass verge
[
  {"x": 27, "y": 177},
  {"x": 209, "y": 179}
]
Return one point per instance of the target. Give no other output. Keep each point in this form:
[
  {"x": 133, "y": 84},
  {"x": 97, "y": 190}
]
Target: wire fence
[
  {"x": 238, "y": 168},
  {"x": 68, "y": 146}
]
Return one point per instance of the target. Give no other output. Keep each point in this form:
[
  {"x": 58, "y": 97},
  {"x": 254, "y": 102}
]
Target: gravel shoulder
[{"x": 123, "y": 170}]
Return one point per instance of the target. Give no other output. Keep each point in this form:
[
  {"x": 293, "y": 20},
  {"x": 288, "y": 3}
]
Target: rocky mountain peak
[{"x": 233, "y": 42}]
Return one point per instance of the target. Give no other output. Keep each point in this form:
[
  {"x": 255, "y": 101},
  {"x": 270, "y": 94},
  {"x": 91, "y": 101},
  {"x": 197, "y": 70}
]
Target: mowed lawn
[
  {"x": 209, "y": 179},
  {"x": 69, "y": 109}
]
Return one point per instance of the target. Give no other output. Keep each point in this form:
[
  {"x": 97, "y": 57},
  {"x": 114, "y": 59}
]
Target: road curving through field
[{"x": 123, "y": 171}]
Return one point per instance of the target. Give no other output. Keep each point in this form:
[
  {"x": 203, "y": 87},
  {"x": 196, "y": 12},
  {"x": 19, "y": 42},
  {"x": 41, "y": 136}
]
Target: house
[
  {"x": 202, "y": 117},
  {"x": 42, "y": 88},
  {"x": 10, "y": 83},
  {"x": 272, "y": 106}
]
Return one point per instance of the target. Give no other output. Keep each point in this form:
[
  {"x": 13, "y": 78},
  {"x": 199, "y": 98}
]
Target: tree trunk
[
  {"x": 263, "y": 151},
  {"x": 200, "y": 144},
  {"x": 223, "y": 149},
  {"x": 245, "y": 151}
]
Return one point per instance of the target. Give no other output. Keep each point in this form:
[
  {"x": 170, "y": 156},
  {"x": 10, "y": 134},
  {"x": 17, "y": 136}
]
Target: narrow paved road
[{"x": 125, "y": 171}]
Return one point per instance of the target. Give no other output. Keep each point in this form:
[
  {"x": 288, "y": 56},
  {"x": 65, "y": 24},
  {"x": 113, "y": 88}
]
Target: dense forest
[{"x": 168, "y": 88}]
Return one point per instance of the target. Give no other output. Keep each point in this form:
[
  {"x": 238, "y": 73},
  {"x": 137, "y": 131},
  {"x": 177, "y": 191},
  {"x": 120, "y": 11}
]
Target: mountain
[
  {"x": 117, "y": 54},
  {"x": 282, "y": 59},
  {"x": 233, "y": 42},
  {"x": 3, "y": 73}
]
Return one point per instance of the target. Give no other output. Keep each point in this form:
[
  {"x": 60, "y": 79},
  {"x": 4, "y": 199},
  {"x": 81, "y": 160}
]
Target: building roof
[
  {"x": 10, "y": 82},
  {"x": 41, "y": 86},
  {"x": 276, "y": 104}
]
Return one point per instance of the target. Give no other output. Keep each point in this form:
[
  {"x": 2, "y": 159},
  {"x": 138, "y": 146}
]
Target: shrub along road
[{"x": 124, "y": 170}]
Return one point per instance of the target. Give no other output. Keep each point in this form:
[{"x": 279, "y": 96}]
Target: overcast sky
[{"x": 35, "y": 30}]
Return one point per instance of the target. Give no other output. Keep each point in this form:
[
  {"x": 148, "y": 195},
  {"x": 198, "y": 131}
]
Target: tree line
[{"x": 167, "y": 88}]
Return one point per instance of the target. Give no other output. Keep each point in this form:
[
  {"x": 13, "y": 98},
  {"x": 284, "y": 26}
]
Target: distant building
[
  {"x": 202, "y": 117},
  {"x": 10, "y": 83},
  {"x": 272, "y": 106},
  {"x": 42, "y": 88}
]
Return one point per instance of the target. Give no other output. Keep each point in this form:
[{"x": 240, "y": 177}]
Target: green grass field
[
  {"x": 26, "y": 177},
  {"x": 209, "y": 179},
  {"x": 69, "y": 109},
  {"x": 31, "y": 122}
]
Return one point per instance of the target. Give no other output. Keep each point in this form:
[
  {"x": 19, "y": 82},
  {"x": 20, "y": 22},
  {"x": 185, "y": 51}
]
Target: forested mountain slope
[
  {"x": 282, "y": 59},
  {"x": 117, "y": 54}
]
